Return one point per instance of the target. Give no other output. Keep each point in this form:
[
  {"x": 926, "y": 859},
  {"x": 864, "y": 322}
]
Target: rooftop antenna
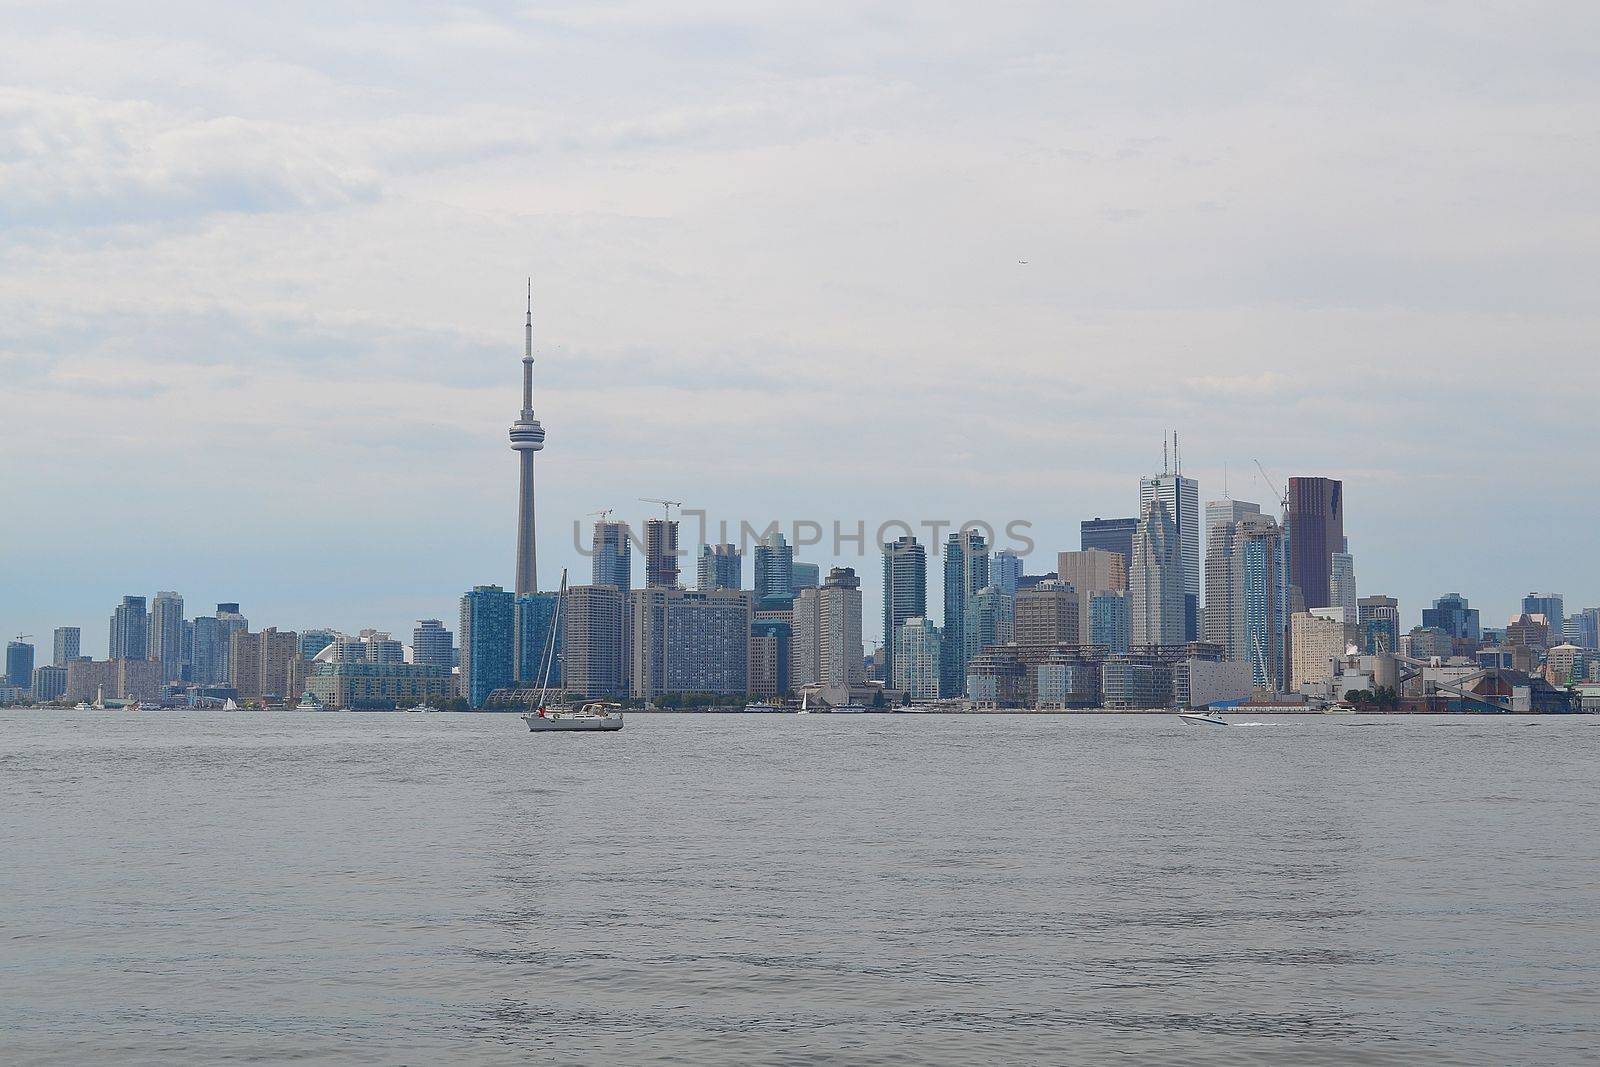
[
  {"x": 1164, "y": 468},
  {"x": 1177, "y": 455}
]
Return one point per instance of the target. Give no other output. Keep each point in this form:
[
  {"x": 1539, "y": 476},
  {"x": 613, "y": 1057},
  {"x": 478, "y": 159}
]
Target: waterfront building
[
  {"x": 593, "y": 642},
  {"x": 365, "y": 685},
  {"x": 1247, "y": 595},
  {"x": 1046, "y": 616},
  {"x": 432, "y": 645},
  {"x": 966, "y": 571},
  {"x": 487, "y": 630},
  {"x": 774, "y": 573},
  {"x": 116, "y": 679},
  {"x": 988, "y": 619},
  {"x": 527, "y": 437},
  {"x": 1158, "y": 610},
  {"x": 1110, "y": 535},
  {"x": 720, "y": 567},
  {"x": 534, "y": 633},
  {"x": 611, "y": 561},
  {"x": 1314, "y": 643},
  {"x": 826, "y": 647},
  {"x": 166, "y": 635},
  {"x": 1092, "y": 571},
  {"x": 1452, "y": 615},
  {"x": 905, "y": 592},
  {"x": 1181, "y": 498},
  {"x": 1198, "y": 682},
  {"x": 769, "y": 656},
  {"x": 690, "y": 641},
  {"x": 1315, "y": 531},
  {"x": 1060, "y": 679},
  {"x": 382, "y": 648},
  {"x": 661, "y": 553},
  {"x": 805, "y": 576},
  {"x": 1379, "y": 620},
  {"x": 130, "y": 630},
  {"x": 917, "y": 658},
  {"x": 1130, "y": 683},
  {"x": 19, "y": 664},
  {"x": 266, "y": 665},
  {"x": 212, "y": 644},
  {"x": 49, "y": 682},
  {"x": 68, "y": 642},
  {"x": 996, "y": 677},
  {"x": 1111, "y": 621}
]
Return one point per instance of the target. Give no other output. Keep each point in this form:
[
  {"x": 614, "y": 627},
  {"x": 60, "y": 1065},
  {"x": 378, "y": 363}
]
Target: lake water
[{"x": 186, "y": 888}]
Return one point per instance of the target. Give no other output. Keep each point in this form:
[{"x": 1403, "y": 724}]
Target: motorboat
[
  {"x": 419, "y": 708},
  {"x": 849, "y": 709},
  {"x": 83, "y": 705},
  {"x": 308, "y": 702},
  {"x": 766, "y": 706},
  {"x": 1209, "y": 718},
  {"x": 595, "y": 715}
]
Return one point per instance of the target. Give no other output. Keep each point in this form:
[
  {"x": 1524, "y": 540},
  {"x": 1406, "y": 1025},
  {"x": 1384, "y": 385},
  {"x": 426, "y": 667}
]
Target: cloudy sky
[{"x": 262, "y": 274}]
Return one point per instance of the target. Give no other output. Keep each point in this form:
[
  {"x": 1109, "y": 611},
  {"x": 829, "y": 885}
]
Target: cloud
[{"x": 75, "y": 161}]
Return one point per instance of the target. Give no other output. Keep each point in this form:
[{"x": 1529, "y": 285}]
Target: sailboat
[
  {"x": 591, "y": 717},
  {"x": 229, "y": 705}
]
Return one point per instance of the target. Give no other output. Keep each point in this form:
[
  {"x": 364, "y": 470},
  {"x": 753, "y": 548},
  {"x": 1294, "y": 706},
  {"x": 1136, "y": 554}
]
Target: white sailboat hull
[{"x": 572, "y": 724}]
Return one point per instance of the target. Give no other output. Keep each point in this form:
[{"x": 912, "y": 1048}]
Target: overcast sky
[{"x": 262, "y": 273}]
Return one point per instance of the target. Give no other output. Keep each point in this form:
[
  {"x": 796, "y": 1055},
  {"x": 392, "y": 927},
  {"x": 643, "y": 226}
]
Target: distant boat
[
  {"x": 849, "y": 709},
  {"x": 764, "y": 706},
  {"x": 145, "y": 705},
  {"x": 1209, "y": 718},
  {"x": 82, "y": 705},
  {"x": 229, "y": 705},
  {"x": 419, "y": 708},
  {"x": 308, "y": 702}
]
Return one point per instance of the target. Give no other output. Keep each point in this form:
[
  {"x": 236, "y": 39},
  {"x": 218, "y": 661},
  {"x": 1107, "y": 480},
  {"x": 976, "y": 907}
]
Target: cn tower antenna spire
[{"x": 527, "y": 437}]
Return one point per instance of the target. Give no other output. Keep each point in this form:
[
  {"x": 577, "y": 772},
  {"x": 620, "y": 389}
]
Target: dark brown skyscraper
[{"x": 1316, "y": 532}]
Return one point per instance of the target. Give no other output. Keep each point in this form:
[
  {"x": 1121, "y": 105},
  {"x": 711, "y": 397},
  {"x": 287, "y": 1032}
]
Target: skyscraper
[
  {"x": 690, "y": 641},
  {"x": 719, "y": 567},
  {"x": 1553, "y": 606},
  {"x": 314, "y": 640},
  {"x": 1181, "y": 496},
  {"x": 1047, "y": 616},
  {"x": 535, "y": 612},
  {"x": 774, "y": 573},
  {"x": 527, "y": 437},
  {"x": 1158, "y": 611},
  {"x": 826, "y": 637},
  {"x": 916, "y": 658},
  {"x": 1110, "y": 621},
  {"x": 661, "y": 553},
  {"x": 1091, "y": 572},
  {"x": 166, "y": 635},
  {"x": 612, "y": 559},
  {"x": 987, "y": 620},
  {"x": 966, "y": 570},
  {"x": 905, "y": 591},
  {"x": 213, "y": 644},
  {"x": 1342, "y": 582},
  {"x": 1315, "y": 530},
  {"x": 130, "y": 630},
  {"x": 19, "y": 664},
  {"x": 1247, "y": 594},
  {"x": 1110, "y": 535},
  {"x": 68, "y": 641},
  {"x": 487, "y": 629},
  {"x": 1452, "y": 614},
  {"x": 432, "y": 645},
  {"x": 1379, "y": 620},
  {"x": 804, "y": 576},
  {"x": 1005, "y": 571},
  {"x": 593, "y": 646}
]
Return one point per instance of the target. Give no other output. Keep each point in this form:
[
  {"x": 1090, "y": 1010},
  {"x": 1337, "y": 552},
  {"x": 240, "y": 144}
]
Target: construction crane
[
  {"x": 23, "y": 637},
  {"x": 603, "y": 513},
  {"x": 666, "y": 505},
  {"x": 1283, "y": 498}
]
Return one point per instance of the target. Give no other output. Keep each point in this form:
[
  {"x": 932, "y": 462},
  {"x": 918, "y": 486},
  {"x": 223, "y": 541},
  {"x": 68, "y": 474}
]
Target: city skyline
[{"x": 295, "y": 410}]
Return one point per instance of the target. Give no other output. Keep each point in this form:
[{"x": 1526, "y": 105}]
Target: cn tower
[{"x": 527, "y": 437}]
